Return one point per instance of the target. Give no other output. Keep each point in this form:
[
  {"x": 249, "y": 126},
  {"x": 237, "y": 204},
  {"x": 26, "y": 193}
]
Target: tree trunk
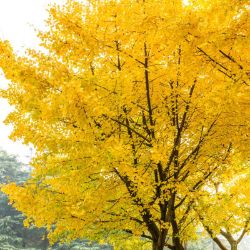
[
  {"x": 177, "y": 244},
  {"x": 234, "y": 245},
  {"x": 157, "y": 246}
]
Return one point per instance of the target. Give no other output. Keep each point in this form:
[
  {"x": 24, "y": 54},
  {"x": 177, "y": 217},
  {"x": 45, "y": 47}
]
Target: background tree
[
  {"x": 13, "y": 235},
  {"x": 10, "y": 237},
  {"x": 132, "y": 106}
]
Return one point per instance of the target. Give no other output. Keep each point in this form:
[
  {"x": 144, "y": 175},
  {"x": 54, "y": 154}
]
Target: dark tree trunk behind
[
  {"x": 177, "y": 244},
  {"x": 157, "y": 246}
]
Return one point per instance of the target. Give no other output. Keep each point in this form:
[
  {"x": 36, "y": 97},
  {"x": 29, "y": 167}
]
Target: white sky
[{"x": 18, "y": 18}]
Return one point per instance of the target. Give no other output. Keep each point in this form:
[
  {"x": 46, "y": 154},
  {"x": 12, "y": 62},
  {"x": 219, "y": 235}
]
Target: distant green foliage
[
  {"x": 11, "y": 169},
  {"x": 13, "y": 235}
]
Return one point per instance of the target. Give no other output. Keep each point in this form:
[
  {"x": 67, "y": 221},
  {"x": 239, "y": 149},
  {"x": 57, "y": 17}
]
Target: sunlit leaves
[{"x": 133, "y": 108}]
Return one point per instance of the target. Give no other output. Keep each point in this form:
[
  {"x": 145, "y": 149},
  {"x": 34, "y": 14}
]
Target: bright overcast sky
[{"x": 18, "y": 18}]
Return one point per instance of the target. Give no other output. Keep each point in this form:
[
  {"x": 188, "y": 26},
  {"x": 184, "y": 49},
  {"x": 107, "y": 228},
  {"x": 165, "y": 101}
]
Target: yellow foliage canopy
[{"x": 132, "y": 106}]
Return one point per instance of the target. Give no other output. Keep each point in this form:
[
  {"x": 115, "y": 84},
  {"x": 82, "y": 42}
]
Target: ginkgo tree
[
  {"x": 132, "y": 107},
  {"x": 223, "y": 208}
]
